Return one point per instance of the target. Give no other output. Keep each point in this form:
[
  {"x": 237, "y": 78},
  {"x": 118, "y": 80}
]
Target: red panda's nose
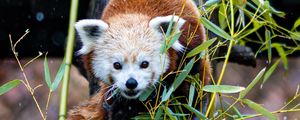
[{"x": 131, "y": 83}]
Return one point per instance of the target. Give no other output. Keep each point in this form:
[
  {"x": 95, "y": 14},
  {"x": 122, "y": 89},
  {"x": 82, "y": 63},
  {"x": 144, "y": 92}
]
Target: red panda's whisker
[{"x": 111, "y": 92}]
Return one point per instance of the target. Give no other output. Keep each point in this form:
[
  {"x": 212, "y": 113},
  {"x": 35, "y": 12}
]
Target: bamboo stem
[{"x": 68, "y": 60}]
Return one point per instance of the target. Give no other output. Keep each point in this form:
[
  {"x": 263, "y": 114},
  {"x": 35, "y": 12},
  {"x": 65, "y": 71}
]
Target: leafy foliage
[{"x": 240, "y": 22}]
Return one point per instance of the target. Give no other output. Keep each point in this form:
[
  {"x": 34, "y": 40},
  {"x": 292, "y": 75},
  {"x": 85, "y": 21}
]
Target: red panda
[{"x": 122, "y": 52}]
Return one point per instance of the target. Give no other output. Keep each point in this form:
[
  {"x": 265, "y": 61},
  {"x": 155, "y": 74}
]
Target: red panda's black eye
[
  {"x": 144, "y": 64},
  {"x": 117, "y": 66}
]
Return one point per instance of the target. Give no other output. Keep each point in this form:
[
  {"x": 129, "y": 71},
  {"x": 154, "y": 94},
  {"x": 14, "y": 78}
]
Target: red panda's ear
[
  {"x": 164, "y": 21},
  {"x": 89, "y": 30},
  {"x": 161, "y": 24}
]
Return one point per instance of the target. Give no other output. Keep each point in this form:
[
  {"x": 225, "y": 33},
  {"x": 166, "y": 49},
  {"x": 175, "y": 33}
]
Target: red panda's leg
[{"x": 92, "y": 109}]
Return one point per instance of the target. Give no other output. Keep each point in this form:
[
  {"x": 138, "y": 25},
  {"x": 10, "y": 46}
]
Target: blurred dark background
[{"x": 47, "y": 22}]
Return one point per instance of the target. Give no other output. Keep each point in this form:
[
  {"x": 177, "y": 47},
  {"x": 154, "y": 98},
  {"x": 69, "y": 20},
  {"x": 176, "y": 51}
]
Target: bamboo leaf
[
  {"x": 215, "y": 29},
  {"x": 164, "y": 93},
  {"x": 168, "y": 94},
  {"x": 276, "y": 12},
  {"x": 258, "y": 108},
  {"x": 201, "y": 47},
  {"x": 239, "y": 115},
  {"x": 186, "y": 70},
  {"x": 158, "y": 113},
  {"x": 47, "y": 73},
  {"x": 296, "y": 24},
  {"x": 268, "y": 41},
  {"x": 295, "y": 35},
  {"x": 252, "y": 84},
  {"x": 169, "y": 30},
  {"x": 196, "y": 112},
  {"x": 58, "y": 77},
  {"x": 221, "y": 17},
  {"x": 172, "y": 41},
  {"x": 211, "y": 2},
  {"x": 179, "y": 79},
  {"x": 146, "y": 94},
  {"x": 191, "y": 94},
  {"x": 270, "y": 71},
  {"x": 9, "y": 85},
  {"x": 282, "y": 55},
  {"x": 170, "y": 113},
  {"x": 223, "y": 88}
]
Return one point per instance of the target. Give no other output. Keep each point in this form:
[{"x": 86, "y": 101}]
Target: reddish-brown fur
[{"x": 92, "y": 109}]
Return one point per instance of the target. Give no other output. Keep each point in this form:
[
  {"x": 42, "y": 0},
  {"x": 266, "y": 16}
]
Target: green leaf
[
  {"x": 215, "y": 29},
  {"x": 223, "y": 88},
  {"x": 295, "y": 35},
  {"x": 252, "y": 84},
  {"x": 211, "y": 2},
  {"x": 222, "y": 17},
  {"x": 296, "y": 24},
  {"x": 9, "y": 85},
  {"x": 196, "y": 112},
  {"x": 170, "y": 113},
  {"x": 282, "y": 54},
  {"x": 169, "y": 30},
  {"x": 267, "y": 15},
  {"x": 47, "y": 73},
  {"x": 239, "y": 115},
  {"x": 168, "y": 94},
  {"x": 58, "y": 77},
  {"x": 258, "y": 108},
  {"x": 270, "y": 71},
  {"x": 165, "y": 91},
  {"x": 276, "y": 12},
  {"x": 172, "y": 41},
  {"x": 158, "y": 113},
  {"x": 202, "y": 54},
  {"x": 191, "y": 94},
  {"x": 268, "y": 41},
  {"x": 146, "y": 94},
  {"x": 201, "y": 47},
  {"x": 186, "y": 70}
]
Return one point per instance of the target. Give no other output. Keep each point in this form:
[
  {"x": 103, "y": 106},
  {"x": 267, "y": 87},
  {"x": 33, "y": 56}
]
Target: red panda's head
[{"x": 126, "y": 50}]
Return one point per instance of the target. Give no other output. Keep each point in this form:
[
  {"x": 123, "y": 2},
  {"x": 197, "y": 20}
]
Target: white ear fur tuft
[
  {"x": 156, "y": 22},
  {"x": 89, "y": 31}
]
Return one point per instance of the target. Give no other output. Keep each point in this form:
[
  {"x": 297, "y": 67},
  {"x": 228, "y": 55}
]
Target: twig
[
  {"x": 47, "y": 104},
  {"x": 27, "y": 85}
]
